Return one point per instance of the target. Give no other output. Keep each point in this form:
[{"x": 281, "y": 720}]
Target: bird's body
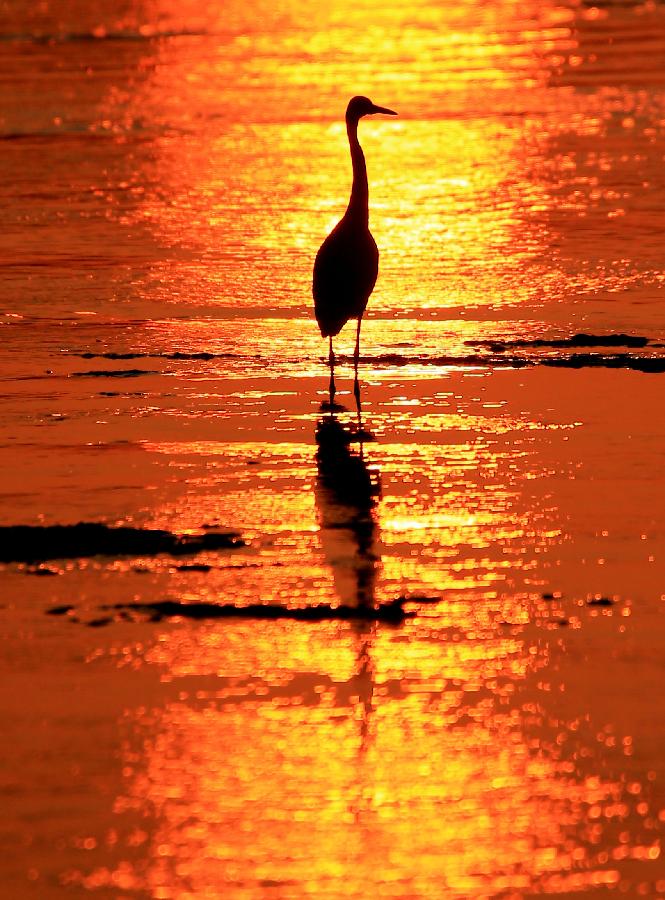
[
  {"x": 347, "y": 263},
  {"x": 345, "y": 273}
]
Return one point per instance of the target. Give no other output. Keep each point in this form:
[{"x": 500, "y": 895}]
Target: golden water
[{"x": 167, "y": 172}]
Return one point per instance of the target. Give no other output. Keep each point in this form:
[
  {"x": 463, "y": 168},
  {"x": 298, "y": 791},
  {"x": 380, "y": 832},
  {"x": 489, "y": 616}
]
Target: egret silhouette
[{"x": 347, "y": 263}]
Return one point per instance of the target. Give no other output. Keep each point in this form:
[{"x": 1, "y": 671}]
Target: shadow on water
[{"x": 347, "y": 494}]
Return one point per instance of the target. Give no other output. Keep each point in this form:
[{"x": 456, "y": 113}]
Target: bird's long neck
[{"x": 358, "y": 208}]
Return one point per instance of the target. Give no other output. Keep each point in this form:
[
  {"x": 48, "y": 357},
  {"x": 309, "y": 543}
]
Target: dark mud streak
[
  {"x": 99, "y": 623},
  {"x": 35, "y": 543},
  {"x": 496, "y": 357},
  {"x": 574, "y": 361},
  {"x": 76, "y": 37},
  {"x": 651, "y": 364},
  {"x": 122, "y": 394},
  {"x": 577, "y": 340},
  {"x": 204, "y": 567},
  {"x": 117, "y": 373},
  {"x": 203, "y": 355},
  {"x": 392, "y": 612}
]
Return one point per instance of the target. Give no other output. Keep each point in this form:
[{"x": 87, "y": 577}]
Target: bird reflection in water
[{"x": 347, "y": 493}]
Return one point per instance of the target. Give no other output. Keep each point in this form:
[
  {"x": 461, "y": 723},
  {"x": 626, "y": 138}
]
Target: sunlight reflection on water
[{"x": 168, "y": 172}]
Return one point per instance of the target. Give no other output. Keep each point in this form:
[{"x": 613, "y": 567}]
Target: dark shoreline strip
[
  {"x": 651, "y": 364},
  {"x": 36, "y": 543},
  {"x": 574, "y": 361},
  {"x": 115, "y": 373},
  {"x": 392, "y": 612},
  {"x": 593, "y": 361},
  {"x": 577, "y": 340},
  {"x": 178, "y": 354}
]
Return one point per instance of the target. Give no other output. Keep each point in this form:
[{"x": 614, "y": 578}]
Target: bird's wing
[{"x": 345, "y": 272}]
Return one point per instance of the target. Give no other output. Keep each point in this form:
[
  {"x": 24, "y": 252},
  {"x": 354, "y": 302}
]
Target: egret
[{"x": 347, "y": 263}]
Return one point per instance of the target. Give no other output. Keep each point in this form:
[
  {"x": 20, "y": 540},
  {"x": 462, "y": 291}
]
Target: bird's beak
[{"x": 382, "y": 110}]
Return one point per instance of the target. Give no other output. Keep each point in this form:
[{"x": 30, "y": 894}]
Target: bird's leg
[
  {"x": 356, "y": 356},
  {"x": 331, "y": 363}
]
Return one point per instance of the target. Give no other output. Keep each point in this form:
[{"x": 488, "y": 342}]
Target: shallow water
[{"x": 167, "y": 172}]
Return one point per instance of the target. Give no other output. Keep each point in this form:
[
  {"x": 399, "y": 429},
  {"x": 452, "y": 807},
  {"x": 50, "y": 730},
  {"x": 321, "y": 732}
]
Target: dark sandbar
[
  {"x": 572, "y": 361},
  {"x": 114, "y": 373},
  {"x": 35, "y": 543},
  {"x": 577, "y": 340},
  {"x": 392, "y": 612}
]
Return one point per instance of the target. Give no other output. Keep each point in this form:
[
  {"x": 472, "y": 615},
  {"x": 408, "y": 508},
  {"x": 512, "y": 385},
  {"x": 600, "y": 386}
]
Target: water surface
[{"x": 167, "y": 173}]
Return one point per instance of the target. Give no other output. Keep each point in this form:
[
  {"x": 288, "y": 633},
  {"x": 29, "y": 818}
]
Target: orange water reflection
[
  {"x": 501, "y": 203},
  {"x": 487, "y": 747},
  {"x": 457, "y": 756},
  {"x": 300, "y": 778},
  {"x": 242, "y": 202}
]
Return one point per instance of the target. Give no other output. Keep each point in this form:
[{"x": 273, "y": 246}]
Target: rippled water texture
[{"x": 302, "y": 653}]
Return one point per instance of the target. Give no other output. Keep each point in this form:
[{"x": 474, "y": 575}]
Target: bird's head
[{"x": 363, "y": 106}]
